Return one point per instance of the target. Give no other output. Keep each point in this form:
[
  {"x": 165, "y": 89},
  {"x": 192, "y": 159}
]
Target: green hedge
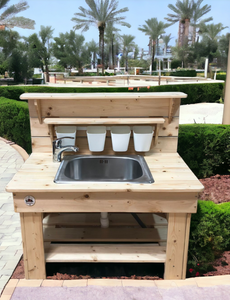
[
  {"x": 14, "y": 122},
  {"x": 209, "y": 235},
  {"x": 221, "y": 77},
  {"x": 197, "y": 92},
  {"x": 205, "y": 148}
]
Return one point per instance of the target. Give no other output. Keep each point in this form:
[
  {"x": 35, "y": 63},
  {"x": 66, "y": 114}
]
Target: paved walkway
[
  {"x": 205, "y": 288},
  {"x": 10, "y": 232}
]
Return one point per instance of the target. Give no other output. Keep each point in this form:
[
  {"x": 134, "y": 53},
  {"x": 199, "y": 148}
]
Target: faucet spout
[
  {"x": 58, "y": 149},
  {"x": 72, "y": 148}
]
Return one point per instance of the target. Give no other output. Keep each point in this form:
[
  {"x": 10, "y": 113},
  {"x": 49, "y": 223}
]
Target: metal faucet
[{"x": 58, "y": 149}]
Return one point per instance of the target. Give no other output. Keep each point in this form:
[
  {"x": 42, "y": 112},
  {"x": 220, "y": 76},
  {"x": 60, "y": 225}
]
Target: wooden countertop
[{"x": 169, "y": 171}]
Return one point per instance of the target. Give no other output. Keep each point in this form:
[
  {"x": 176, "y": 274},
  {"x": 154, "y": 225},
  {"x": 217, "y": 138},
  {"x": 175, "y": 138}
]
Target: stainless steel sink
[{"x": 130, "y": 168}]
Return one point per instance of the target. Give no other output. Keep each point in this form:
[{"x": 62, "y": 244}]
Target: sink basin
[{"x": 130, "y": 168}]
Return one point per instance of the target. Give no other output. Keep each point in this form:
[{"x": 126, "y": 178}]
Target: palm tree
[
  {"x": 40, "y": 48},
  {"x": 198, "y": 13},
  {"x": 93, "y": 48},
  {"x": 127, "y": 45},
  {"x": 110, "y": 32},
  {"x": 211, "y": 31},
  {"x": 166, "y": 40},
  {"x": 100, "y": 12},
  {"x": 183, "y": 13},
  {"x": 8, "y": 19},
  {"x": 153, "y": 29}
]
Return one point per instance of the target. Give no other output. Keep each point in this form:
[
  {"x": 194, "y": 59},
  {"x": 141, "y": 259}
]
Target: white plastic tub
[
  {"x": 142, "y": 136},
  {"x": 120, "y": 138},
  {"x": 62, "y": 131},
  {"x": 96, "y": 138}
]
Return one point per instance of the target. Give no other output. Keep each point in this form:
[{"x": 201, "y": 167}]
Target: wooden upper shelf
[
  {"x": 148, "y": 95},
  {"x": 104, "y": 121}
]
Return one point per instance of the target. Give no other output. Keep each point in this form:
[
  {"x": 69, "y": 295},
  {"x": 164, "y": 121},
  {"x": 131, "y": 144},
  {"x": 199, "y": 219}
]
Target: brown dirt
[
  {"x": 217, "y": 189},
  {"x": 222, "y": 265}
]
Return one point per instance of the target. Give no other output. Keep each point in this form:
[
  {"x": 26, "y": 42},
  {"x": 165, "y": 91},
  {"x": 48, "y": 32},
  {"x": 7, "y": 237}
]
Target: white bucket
[
  {"x": 96, "y": 138},
  {"x": 120, "y": 138},
  {"x": 62, "y": 131},
  {"x": 142, "y": 136}
]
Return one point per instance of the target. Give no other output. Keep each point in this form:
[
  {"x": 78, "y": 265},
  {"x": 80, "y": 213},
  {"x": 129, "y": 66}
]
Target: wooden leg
[
  {"x": 177, "y": 246},
  {"x": 33, "y": 246}
]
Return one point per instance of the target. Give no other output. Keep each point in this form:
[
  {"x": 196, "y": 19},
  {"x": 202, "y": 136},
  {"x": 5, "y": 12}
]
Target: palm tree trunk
[
  {"x": 153, "y": 53},
  {"x": 186, "y": 32},
  {"x": 47, "y": 72},
  {"x": 101, "y": 45},
  {"x": 113, "y": 53},
  {"x": 194, "y": 35}
]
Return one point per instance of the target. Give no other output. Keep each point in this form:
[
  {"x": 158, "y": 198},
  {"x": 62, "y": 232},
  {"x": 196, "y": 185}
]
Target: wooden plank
[
  {"x": 41, "y": 145},
  {"x": 105, "y": 235},
  {"x": 174, "y": 106},
  {"x": 93, "y": 220},
  {"x": 115, "y": 253},
  {"x": 104, "y": 121},
  {"x": 86, "y": 107},
  {"x": 186, "y": 245},
  {"x": 176, "y": 248},
  {"x": 108, "y": 202},
  {"x": 38, "y": 108},
  {"x": 164, "y": 144},
  {"x": 106, "y": 96},
  {"x": 38, "y": 129},
  {"x": 156, "y": 134},
  {"x": 33, "y": 246},
  {"x": 42, "y": 130},
  {"x": 169, "y": 171}
]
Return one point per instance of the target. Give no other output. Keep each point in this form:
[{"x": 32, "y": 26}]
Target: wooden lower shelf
[
  {"x": 115, "y": 235},
  {"x": 117, "y": 253}
]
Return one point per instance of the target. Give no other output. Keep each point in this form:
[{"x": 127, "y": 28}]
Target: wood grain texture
[
  {"x": 115, "y": 235},
  {"x": 169, "y": 171},
  {"x": 33, "y": 246},
  {"x": 108, "y": 202},
  {"x": 103, "y": 121},
  {"x": 177, "y": 246},
  {"x": 93, "y": 220},
  {"x": 98, "y": 96},
  {"x": 106, "y": 253},
  {"x": 164, "y": 144}
]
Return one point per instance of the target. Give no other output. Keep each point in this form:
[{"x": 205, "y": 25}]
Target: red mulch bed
[{"x": 217, "y": 189}]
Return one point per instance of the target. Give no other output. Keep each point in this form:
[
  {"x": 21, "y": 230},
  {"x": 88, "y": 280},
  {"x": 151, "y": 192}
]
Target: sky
[{"x": 58, "y": 15}]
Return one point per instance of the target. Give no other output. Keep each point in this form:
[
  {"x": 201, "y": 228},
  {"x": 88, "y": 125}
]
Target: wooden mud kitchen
[{"x": 62, "y": 222}]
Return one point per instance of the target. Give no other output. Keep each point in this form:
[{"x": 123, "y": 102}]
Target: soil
[{"x": 217, "y": 189}]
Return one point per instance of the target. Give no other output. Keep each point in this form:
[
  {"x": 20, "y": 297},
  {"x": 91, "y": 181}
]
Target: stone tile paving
[{"x": 10, "y": 233}]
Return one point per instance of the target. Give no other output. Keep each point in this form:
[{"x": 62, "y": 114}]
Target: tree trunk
[
  {"x": 194, "y": 35},
  {"x": 153, "y": 53},
  {"x": 186, "y": 32},
  {"x": 47, "y": 72},
  {"x": 113, "y": 64},
  {"x": 101, "y": 44}
]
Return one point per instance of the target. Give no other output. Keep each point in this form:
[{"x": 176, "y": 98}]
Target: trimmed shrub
[
  {"x": 184, "y": 73},
  {"x": 221, "y": 77},
  {"x": 14, "y": 122},
  {"x": 209, "y": 235},
  {"x": 201, "y": 92},
  {"x": 205, "y": 148}
]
